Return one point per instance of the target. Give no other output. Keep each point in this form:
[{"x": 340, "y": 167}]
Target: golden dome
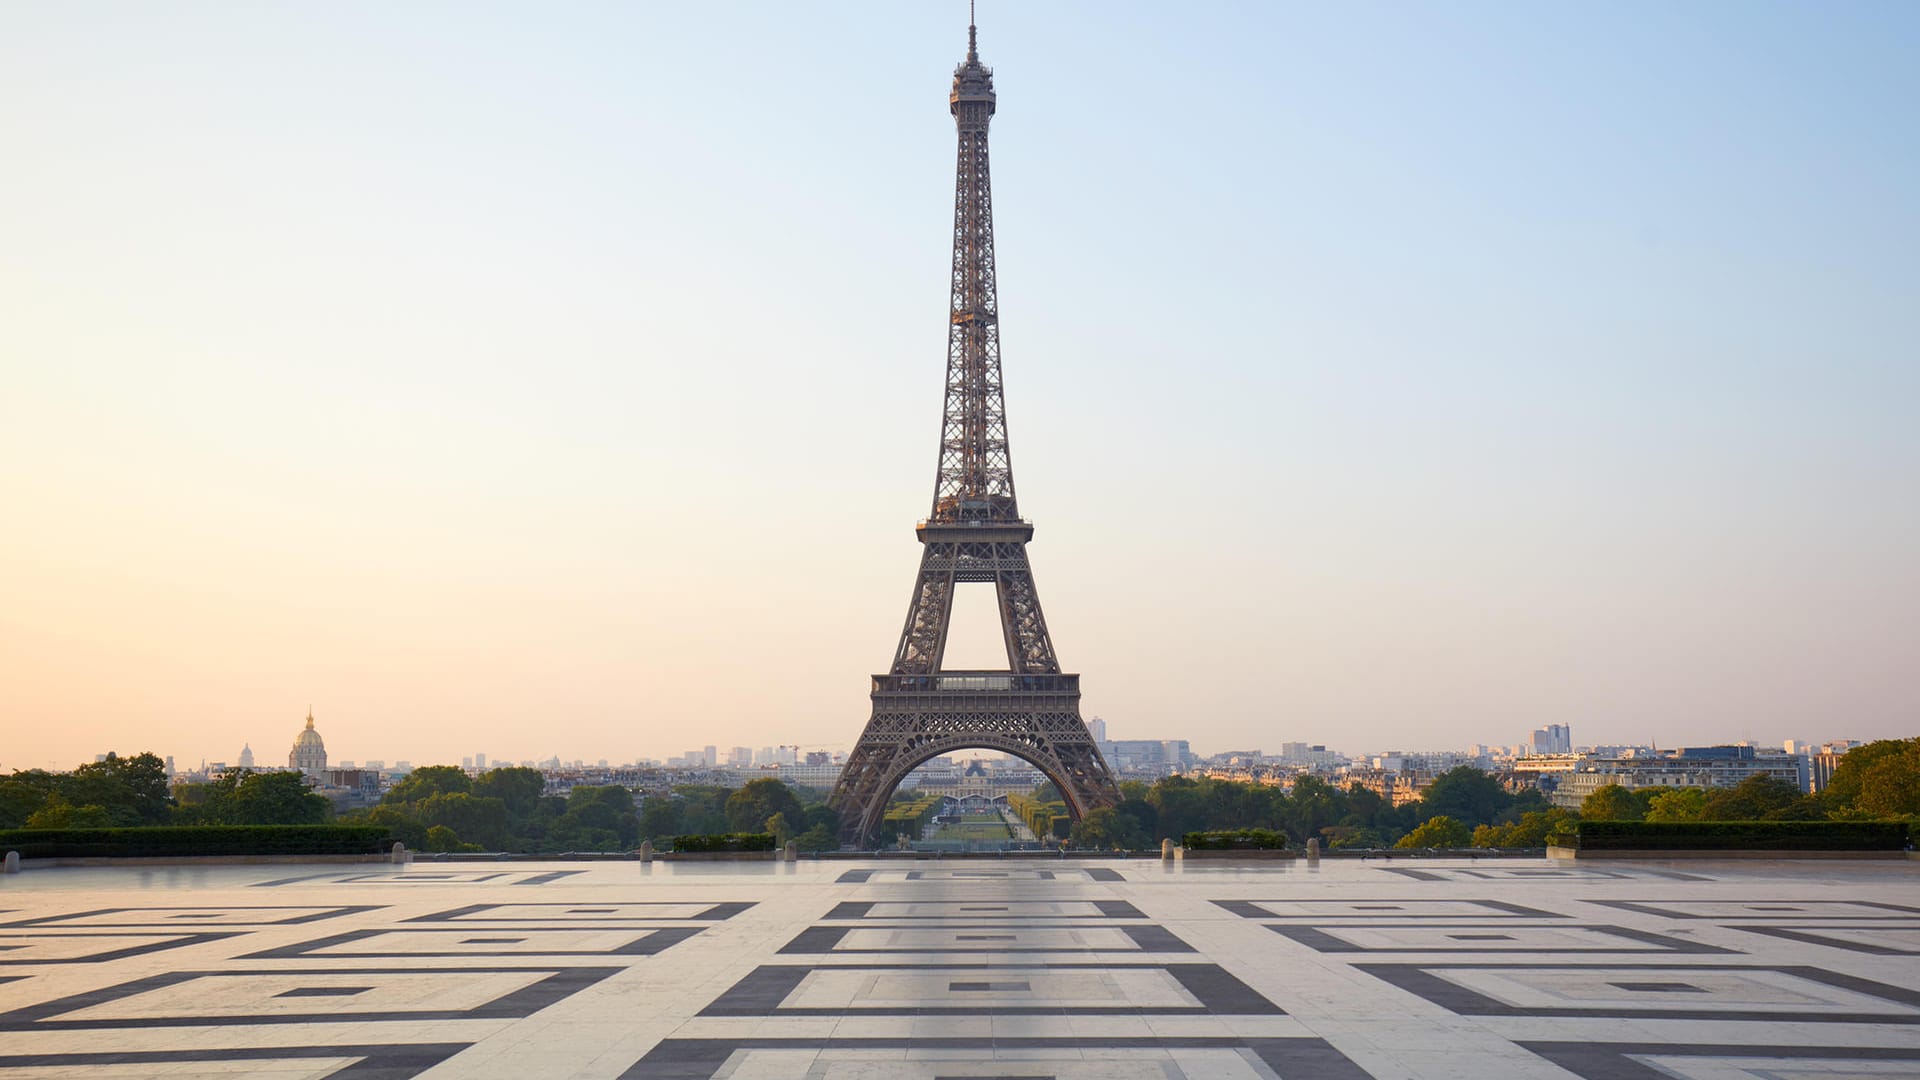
[{"x": 309, "y": 737}]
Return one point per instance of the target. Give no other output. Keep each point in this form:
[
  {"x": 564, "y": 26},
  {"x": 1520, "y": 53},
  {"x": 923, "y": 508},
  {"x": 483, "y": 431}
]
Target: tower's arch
[{"x": 886, "y": 778}]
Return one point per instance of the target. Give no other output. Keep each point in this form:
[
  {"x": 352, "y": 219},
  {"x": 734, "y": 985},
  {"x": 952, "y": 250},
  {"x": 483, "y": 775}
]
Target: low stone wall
[
  {"x": 194, "y": 860},
  {"x": 1720, "y": 853}
]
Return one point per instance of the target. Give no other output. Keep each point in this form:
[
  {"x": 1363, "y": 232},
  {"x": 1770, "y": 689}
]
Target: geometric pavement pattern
[{"x": 924, "y": 969}]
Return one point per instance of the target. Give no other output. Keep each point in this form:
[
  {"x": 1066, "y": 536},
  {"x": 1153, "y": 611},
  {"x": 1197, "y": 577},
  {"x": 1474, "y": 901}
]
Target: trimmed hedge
[
  {"x": 1736, "y": 835},
  {"x": 189, "y": 840},
  {"x": 1235, "y": 840},
  {"x": 911, "y": 818},
  {"x": 733, "y": 841}
]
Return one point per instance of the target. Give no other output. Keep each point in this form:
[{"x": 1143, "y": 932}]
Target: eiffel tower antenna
[{"x": 973, "y": 533}]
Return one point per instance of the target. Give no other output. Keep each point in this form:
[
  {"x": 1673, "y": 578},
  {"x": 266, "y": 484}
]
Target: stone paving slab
[{"x": 980, "y": 968}]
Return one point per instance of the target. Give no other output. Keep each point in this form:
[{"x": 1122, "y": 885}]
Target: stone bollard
[
  {"x": 646, "y": 851},
  {"x": 1166, "y": 850},
  {"x": 792, "y": 853},
  {"x": 13, "y": 863},
  {"x": 1313, "y": 849},
  {"x": 399, "y": 854}
]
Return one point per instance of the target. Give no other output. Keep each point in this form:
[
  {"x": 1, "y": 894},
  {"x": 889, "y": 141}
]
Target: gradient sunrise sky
[{"x": 564, "y": 378}]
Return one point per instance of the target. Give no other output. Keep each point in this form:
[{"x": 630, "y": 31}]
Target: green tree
[
  {"x": 427, "y": 781},
  {"x": 703, "y": 809},
  {"x": 661, "y": 818},
  {"x": 1180, "y": 806},
  {"x": 1104, "y": 828},
  {"x": 1849, "y": 777},
  {"x": 1312, "y": 807},
  {"x": 821, "y": 816},
  {"x": 1368, "y": 809},
  {"x": 404, "y": 826},
  {"x": 58, "y": 813},
  {"x": 1437, "y": 832},
  {"x": 1880, "y": 779},
  {"x": 817, "y": 838},
  {"x": 479, "y": 821},
  {"x": 1530, "y": 831},
  {"x": 273, "y": 798},
  {"x": 1677, "y": 804},
  {"x": 603, "y": 817},
  {"x": 1761, "y": 798},
  {"x": 749, "y": 808},
  {"x": 517, "y": 786},
  {"x": 1139, "y": 821},
  {"x": 245, "y": 797},
  {"x": 1613, "y": 803},
  {"x": 780, "y": 828},
  {"x": 441, "y": 838},
  {"x": 22, "y": 794},
  {"x": 1353, "y": 837},
  {"x": 1466, "y": 795},
  {"x": 133, "y": 790}
]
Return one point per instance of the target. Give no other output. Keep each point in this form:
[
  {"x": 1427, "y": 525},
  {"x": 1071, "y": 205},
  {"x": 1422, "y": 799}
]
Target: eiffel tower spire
[
  {"x": 974, "y": 534},
  {"x": 975, "y": 481}
]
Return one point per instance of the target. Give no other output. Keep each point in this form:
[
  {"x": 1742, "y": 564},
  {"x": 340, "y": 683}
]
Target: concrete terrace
[{"x": 912, "y": 970}]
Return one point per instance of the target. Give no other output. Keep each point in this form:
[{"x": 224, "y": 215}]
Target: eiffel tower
[{"x": 973, "y": 534}]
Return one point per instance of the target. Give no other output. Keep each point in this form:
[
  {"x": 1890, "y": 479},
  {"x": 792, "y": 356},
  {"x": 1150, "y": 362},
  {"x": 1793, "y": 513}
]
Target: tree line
[
  {"x": 1466, "y": 807},
  {"x": 441, "y": 808},
  {"x": 117, "y": 792}
]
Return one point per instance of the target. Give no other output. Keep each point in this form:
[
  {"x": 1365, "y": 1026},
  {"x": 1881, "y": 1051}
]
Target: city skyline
[
  {"x": 1549, "y": 740},
  {"x": 450, "y": 368}
]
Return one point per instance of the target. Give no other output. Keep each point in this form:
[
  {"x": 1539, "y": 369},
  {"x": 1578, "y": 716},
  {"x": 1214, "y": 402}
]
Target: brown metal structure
[{"x": 973, "y": 534}]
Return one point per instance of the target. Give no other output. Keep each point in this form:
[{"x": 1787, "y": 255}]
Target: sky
[{"x": 565, "y": 379}]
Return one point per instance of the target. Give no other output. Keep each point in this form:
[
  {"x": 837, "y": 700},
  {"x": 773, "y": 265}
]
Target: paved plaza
[{"x": 915, "y": 970}]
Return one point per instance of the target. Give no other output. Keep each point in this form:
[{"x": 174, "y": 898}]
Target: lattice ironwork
[{"x": 974, "y": 533}]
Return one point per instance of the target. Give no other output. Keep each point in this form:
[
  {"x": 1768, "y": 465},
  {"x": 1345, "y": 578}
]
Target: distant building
[
  {"x": 1397, "y": 788},
  {"x": 1308, "y": 755},
  {"x": 740, "y": 757},
  {"x": 309, "y": 752},
  {"x": 246, "y": 756},
  {"x": 1821, "y": 761},
  {"x": 480, "y": 762},
  {"x": 1154, "y": 757},
  {"x": 348, "y": 789},
  {"x": 1695, "y": 766},
  {"x": 1553, "y": 739}
]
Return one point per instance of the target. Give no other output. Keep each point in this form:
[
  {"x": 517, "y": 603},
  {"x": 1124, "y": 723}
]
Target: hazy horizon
[{"x": 566, "y": 381}]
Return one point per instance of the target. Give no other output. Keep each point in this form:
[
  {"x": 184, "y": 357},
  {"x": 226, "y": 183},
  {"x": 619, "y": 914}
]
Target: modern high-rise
[{"x": 1552, "y": 739}]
